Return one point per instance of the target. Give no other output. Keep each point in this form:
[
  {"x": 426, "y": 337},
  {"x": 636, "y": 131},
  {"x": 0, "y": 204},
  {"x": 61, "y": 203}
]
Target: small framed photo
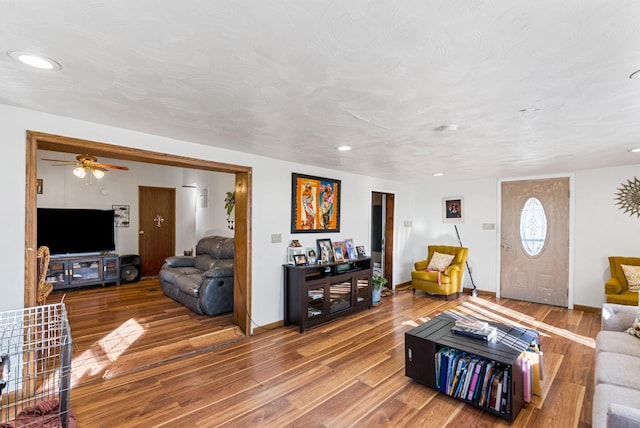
[
  {"x": 351, "y": 250},
  {"x": 360, "y": 251},
  {"x": 312, "y": 255},
  {"x": 453, "y": 209},
  {"x": 325, "y": 250},
  {"x": 300, "y": 259},
  {"x": 343, "y": 248},
  {"x": 337, "y": 252}
]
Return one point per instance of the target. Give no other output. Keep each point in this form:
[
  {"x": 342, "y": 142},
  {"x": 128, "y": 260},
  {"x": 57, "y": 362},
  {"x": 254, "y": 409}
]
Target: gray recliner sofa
[
  {"x": 616, "y": 401},
  {"x": 203, "y": 283}
]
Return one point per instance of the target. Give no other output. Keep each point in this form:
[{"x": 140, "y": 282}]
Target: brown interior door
[
  {"x": 535, "y": 265},
  {"x": 156, "y": 236}
]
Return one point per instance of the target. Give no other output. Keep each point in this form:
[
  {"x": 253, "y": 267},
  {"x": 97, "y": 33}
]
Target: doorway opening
[
  {"x": 242, "y": 262},
  {"x": 382, "y": 220}
]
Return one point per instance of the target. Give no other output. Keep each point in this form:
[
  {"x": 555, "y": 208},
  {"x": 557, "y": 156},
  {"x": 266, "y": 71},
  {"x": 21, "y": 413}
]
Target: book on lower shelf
[{"x": 483, "y": 382}]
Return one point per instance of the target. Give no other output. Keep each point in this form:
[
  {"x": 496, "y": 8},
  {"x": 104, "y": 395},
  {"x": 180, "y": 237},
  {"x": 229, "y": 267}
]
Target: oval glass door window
[{"x": 533, "y": 227}]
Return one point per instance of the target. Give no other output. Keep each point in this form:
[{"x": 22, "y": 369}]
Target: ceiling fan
[{"x": 86, "y": 163}]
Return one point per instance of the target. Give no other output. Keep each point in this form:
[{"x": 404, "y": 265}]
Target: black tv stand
[{"x": 71, "y": 271}]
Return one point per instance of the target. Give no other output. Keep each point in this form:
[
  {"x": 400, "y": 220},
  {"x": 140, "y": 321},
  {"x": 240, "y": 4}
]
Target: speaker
[{"x": 129, "y": 269}]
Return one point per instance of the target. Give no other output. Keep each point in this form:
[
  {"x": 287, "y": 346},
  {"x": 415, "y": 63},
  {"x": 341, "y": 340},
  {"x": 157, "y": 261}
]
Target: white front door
[{"x": 535, "y": 241}]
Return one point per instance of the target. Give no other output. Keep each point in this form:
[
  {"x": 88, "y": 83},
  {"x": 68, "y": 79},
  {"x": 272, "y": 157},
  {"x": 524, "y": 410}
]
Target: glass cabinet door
[
  {"x": 363, "y": 292},
  {"x": 340, "y": 295},
  {"x": 57, "y": 272},
  {"x": 315, "y": 302},
  {"x": 85, "y": 270}
]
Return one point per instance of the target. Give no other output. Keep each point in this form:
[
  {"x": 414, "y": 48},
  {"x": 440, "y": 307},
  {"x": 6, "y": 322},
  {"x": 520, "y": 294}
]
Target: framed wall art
[
  {"x": 453, "y": 209},
  {"x": 122, "y": 215},
  {"x": 315, "y": 204}
]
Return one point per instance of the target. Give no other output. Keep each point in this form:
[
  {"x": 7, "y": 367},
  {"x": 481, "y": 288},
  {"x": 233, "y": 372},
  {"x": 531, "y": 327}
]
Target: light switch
[{"x": 276, "y": 238}]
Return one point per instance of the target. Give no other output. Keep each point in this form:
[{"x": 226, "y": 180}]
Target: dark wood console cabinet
[
  {"x": 317, "y": 293},
  {"x": 423, "y": 342},
  {"x": 78, "y": 271}
]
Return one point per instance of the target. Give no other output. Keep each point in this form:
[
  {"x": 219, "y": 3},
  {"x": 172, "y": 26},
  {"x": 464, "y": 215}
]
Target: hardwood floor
[{"x": 166, "y": 366}]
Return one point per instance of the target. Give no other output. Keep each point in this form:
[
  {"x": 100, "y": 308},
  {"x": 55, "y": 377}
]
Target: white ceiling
[{"x": 535, "y": 87}]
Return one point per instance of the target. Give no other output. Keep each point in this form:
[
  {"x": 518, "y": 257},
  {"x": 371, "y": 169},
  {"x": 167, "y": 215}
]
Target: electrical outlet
[
  {"x": 276, "y": 238},
  {"x": 488, "y": 226}
]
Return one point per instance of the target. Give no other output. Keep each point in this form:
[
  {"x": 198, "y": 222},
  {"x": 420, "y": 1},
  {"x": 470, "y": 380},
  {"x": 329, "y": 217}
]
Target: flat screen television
[{"x": 74, "y": 230}]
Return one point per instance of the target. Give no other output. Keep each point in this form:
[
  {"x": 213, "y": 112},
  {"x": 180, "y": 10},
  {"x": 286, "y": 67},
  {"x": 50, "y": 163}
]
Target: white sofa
[{"x": 616, "y": 401}]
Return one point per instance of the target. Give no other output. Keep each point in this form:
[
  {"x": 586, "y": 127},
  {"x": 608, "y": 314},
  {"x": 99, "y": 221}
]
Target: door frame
[
  {"x": 571, "y": 177},
  {"x": 388, "y": 204},
  {"x": 242, "y": 261}
]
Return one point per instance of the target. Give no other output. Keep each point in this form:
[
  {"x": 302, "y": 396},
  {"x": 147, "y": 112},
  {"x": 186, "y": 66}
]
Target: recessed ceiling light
[
  {"x": 636, "y": 150},
  {"x": 635, "y": 75},
  {"x": 344, "y": 148},
  {"x": 35, "y": 60},
  {"x": 438, "y": 174}
]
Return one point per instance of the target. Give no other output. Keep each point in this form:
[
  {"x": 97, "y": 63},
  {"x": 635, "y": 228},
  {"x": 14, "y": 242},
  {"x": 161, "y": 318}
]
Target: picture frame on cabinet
[
  {"x": 360, "y": 251},
  {"x": 350, "y": 249},
  {"x": 300, "y": 259},
  {"x": 325, "y": 250}
]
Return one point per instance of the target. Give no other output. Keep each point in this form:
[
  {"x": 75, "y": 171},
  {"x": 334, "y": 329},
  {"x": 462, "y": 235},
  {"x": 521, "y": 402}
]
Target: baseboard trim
[
  {"x": 480, "y": 292},
  {"x": 586, "y": 308},
  {"x": 267, "y": 327}
]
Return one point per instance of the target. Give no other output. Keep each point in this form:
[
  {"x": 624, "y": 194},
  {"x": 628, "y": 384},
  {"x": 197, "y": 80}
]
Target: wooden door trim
[
  {"x": 388, "y": 237},
  {"x": 42, "y": 141}
]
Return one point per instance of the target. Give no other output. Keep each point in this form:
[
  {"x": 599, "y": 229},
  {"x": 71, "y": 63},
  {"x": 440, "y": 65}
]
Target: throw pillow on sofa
[
  {"x": 439, "y": 261},
  {"x": 634, "y": 330}
]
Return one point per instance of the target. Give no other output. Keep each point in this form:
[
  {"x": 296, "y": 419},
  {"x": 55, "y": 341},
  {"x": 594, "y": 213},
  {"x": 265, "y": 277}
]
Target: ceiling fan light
[
  {"x": 97, "y": 173},
  {"x": 79, "y": 172}
]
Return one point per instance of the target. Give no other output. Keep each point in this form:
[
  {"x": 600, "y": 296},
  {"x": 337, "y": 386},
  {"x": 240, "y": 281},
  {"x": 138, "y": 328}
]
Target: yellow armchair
[
  {"x": 446, "y": 282},
  {"x": 616, "y": 288}
]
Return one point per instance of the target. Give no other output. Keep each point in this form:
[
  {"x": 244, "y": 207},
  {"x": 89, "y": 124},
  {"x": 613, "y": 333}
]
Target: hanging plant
[{"x": 229, "y": 203}]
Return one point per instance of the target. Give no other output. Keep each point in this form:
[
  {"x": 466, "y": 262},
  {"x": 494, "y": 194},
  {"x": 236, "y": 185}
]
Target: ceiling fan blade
[
  {"x": 104, "y": 165},
  {"x": 60, "y": 160}
]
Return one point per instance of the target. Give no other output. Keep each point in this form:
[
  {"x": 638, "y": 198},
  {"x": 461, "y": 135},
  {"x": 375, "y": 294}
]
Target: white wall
[
  {"x": 271, "y": 203},
  {"x": 479, "y": 206}
]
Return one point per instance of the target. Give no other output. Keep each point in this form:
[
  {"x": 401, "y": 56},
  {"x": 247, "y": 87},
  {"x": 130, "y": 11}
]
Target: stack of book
[
  {"x": 483, "y": 382},
  {"x": 474, "y": 328}
]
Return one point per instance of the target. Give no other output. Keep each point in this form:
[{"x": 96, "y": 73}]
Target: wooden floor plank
[{"x": 190, "y": 370}]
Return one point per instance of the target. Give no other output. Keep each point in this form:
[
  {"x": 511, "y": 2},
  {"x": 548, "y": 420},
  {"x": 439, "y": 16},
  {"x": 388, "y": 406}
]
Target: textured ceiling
[{"x": 535, "y": 87}]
